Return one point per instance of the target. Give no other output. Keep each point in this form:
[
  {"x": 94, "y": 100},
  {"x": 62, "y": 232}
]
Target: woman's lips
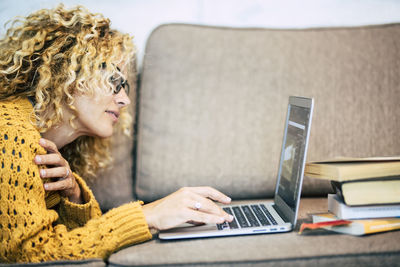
[{"x": 113, "y": 114}]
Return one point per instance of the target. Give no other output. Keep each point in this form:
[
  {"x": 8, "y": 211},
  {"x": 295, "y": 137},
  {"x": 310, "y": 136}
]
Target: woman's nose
[{"x": 122, "y": 99}]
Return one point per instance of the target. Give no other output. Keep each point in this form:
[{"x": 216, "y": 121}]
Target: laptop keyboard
[{"x": 247, "y": 216}]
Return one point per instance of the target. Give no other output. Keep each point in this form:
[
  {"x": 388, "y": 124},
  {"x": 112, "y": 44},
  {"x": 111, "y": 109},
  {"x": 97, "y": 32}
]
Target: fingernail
[
  {"x": 222, "y": 219},
  {"x": 41, "y": 141},
  {"x": 46, "y": 186},
  {"x": 38, "y": 159},
  {"x": 42, "y": 173},
  {"x": 231, "y": 217},
  {"x": 228, "y": 199}
]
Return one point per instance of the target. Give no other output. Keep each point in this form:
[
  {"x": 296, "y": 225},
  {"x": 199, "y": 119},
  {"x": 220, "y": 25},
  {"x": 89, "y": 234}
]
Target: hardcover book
[
  {"x": 348, "y": 169},
  {"x": 342, "y": 211},
  {"x": 359, "y": 227},
  {"x": 383, "y": 190}
]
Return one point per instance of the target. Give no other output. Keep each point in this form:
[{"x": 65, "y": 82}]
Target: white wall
[{"x": 140, "y": 17}]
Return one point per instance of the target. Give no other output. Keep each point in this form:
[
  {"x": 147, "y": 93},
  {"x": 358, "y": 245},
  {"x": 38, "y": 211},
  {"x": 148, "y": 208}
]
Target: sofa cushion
[
  {"x": 213, "y": 103},
  {"x": 319, "y": 248}
]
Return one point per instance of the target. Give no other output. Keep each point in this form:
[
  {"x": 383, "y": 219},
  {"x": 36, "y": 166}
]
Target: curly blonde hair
[{"x": 54, "y": 54}]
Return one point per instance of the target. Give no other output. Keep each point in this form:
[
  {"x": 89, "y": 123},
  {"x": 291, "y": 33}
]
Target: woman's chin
[{"x": 105, "y": 133}]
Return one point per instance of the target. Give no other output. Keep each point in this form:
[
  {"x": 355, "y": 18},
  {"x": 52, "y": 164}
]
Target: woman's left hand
[{"x": 60, "y": 169}]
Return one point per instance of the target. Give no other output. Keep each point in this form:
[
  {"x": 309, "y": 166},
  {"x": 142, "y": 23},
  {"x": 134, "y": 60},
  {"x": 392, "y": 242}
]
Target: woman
[{"x": 63, "y": 90}]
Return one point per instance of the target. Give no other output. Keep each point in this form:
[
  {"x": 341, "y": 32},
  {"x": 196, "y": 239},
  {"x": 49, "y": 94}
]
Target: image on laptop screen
[{"x": 293, "y": 155}]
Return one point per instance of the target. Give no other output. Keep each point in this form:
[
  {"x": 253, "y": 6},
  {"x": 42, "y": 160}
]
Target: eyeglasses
[{"x": 119, "y": 84}]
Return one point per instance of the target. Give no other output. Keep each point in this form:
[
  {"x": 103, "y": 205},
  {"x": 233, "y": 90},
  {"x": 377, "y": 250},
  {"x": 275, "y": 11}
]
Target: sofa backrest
[{"x": 213, "y": 101}]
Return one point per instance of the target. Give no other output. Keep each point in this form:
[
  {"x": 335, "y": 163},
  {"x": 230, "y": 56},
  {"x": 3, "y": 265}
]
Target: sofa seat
[{"x": 312, "y": 248}]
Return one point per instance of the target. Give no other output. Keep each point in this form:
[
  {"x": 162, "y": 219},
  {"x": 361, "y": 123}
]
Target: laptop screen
[{"x": 294, "y": 152}]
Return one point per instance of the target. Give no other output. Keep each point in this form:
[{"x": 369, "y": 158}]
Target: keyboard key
[
  {"x": 260, "y": 215},
  {"x": 228, "y": 210},
  {"x": 268, "y": 214},
  {"x": 222, "y": 226},
  {"x": 240, "y": 217},
  {"x": 250, "y": 216},
  {"x": 233, "y": 224}
]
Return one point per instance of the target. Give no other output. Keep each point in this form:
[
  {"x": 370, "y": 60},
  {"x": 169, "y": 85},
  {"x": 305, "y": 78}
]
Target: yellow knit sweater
[{"x": 39, "y": 226}]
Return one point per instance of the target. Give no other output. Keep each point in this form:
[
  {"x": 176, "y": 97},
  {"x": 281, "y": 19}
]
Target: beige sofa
[
  {"x": 211, "y": 108},
  {"x": 210, "y": 111}
]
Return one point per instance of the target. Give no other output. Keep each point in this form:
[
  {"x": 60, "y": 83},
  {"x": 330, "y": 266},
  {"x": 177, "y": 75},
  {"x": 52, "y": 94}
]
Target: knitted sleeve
[
  {"x": 74, "y": 215},
  {"x": 28, "y": 229}
]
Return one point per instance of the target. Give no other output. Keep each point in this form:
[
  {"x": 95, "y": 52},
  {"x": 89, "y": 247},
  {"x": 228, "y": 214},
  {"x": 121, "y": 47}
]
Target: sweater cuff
[
  {"x": 129, "y": 224},
  {"x": 81, "y": 212}
]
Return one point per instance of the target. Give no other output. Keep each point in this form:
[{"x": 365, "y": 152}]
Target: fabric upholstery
[
  {"x": 213, "y": 103},
  {"x": 321, "y": 248}
]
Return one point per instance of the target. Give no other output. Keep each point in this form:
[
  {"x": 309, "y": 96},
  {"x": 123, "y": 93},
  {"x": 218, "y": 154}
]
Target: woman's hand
[
  {"x": 189, "y": 204},
  {"x": 66, "y": 182}
]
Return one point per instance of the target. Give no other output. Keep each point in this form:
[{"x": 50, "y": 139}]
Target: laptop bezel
[{"x": 281, "y": 206}]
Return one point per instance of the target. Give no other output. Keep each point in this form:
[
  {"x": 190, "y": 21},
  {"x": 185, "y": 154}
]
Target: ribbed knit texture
[{"x": 41, "y": 226}]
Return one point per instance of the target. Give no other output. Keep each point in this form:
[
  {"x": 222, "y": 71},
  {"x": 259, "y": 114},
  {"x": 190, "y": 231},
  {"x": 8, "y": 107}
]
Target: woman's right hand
[{"x": 188, "y": 204}]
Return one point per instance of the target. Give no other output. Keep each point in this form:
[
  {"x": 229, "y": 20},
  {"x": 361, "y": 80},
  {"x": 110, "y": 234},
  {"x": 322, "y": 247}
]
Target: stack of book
[{"x": 367, "y": 193}]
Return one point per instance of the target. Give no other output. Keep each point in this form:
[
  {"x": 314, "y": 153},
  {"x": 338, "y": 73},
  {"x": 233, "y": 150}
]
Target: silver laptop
[{"x": 267, "y": 217}]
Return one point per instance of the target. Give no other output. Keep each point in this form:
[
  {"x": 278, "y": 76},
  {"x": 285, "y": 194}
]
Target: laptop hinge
[{"x": 280, "y": 213}]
